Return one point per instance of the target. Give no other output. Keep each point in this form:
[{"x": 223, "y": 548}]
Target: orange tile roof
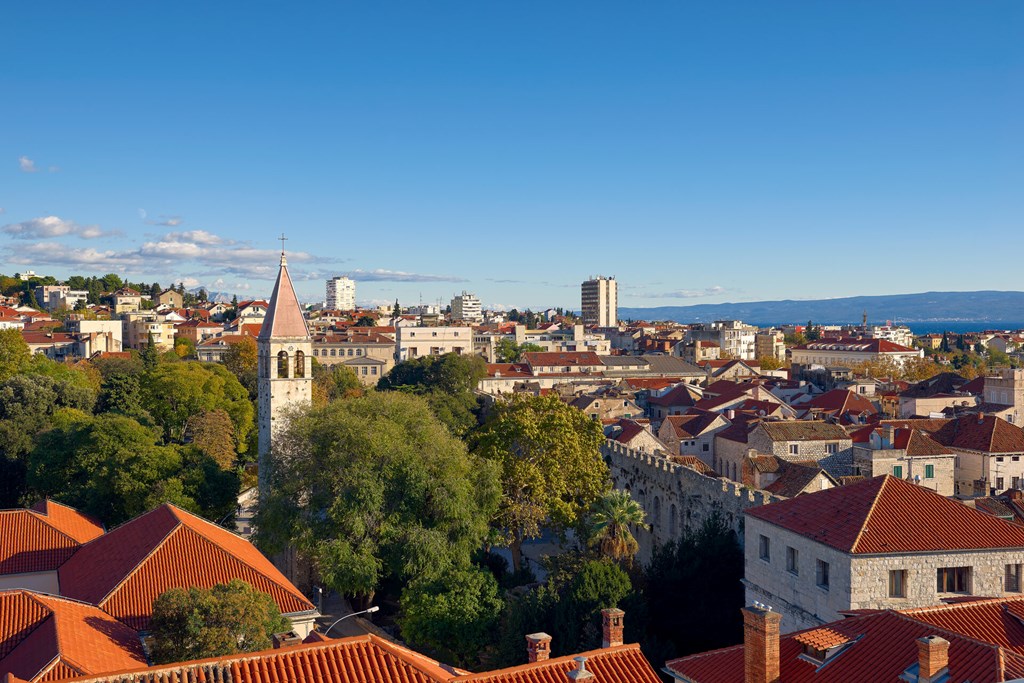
[
  {"x": 889, "y": 515},
  {"x": 883, "y": 647},
  {"x": 43, "y": 538},
  {"x": 360, "y": 659},
  {"x": 621, "y": 664},
  {"x": 126, "y": 569},
  {"x": 823, "y": 638},
  {"x": 46, "y": 638}
]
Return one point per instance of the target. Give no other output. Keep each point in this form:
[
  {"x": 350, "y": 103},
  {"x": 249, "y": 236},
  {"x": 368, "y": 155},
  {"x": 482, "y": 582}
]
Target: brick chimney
[
  {"x": 932, "y": 658},
  {"x": 283, "y": 640},
  {"x": 538, "y": 647},
  {"x": 611, "y": 627},
  {"x": 760, "y": 645}
]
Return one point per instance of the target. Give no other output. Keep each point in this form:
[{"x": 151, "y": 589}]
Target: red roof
[
  {"x": 124, "y": 570},
  {"x": 43, "y": 538},
  {"x": 693, "y": 423},
  {"x": 986, "y": 433},
  {"x": 854, "y": 344},
  {"x": 621, "y": 664},
  {"x": 840, "y": 402},
  {"x": 284, "y": 315},
  {"x": 888, "y": 515},
  {"x": 680, "y": 395},
  {"x": 882, "y": 645},
  {"x": 46, "y": 638}
]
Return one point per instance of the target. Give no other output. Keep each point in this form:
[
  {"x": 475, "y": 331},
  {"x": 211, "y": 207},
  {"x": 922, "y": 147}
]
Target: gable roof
[
  {"x": 840, "y": 402},
  {"x": 986, "y": 433},
  {"x": 795, "y": 477},
  {"x": 620, "y": 664},
  {"x": 693, "y": 423},
  {"x": 917, "y": 443},
  {"x": 888, "y": 515},
  {"x": 803, "y": 430},
  {"x": 681, "y": 394},
  {"x": 882, "y": 645},
  {"x": 43, "y": 637},
  {"x": 124, "y": 570},
  {"x": 284, "y": 315},
  {"x": 42, "y": 538}
]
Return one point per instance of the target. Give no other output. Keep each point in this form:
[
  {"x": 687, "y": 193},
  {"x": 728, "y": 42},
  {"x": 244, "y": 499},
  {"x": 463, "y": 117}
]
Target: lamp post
[{"x": 354, "y": 614}]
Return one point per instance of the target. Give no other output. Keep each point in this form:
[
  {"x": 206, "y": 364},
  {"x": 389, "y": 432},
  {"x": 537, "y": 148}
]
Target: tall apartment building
[
  {"x": 466, "y": 307},
  {"x": 341, "y": 294},
  {"x": 600, "y": 302}
]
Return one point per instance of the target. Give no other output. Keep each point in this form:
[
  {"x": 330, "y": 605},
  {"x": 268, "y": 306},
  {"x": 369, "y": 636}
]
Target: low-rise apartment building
[
  {"x": 882, "y": 543},
  {"x": 849, "y": 352},
  {"x": 415, "y": 342},
  {"x": 909, "y": 454}
]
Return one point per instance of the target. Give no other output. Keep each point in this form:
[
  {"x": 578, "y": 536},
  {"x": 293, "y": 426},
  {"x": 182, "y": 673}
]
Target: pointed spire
[{"x": 284, "y": 315}]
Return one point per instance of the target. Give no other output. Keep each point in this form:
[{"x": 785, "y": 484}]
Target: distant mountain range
[{"x": 988, "y": 307}]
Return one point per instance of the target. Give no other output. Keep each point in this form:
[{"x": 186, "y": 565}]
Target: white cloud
[
  {"x": 51, "y": 226},
  {"x": 384, "y": 275},
  {"x": 197, "y": 236},
  {"x": 27, "y": 165},
  {"x": 687, "y": 293},
  {"x": 55, "y": 253}
]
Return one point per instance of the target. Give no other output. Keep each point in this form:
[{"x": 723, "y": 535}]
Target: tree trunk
[{"x": 516, "y": 546}]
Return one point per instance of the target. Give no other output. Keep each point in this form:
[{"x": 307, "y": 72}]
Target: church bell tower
[{"x": 285, "y": 366}]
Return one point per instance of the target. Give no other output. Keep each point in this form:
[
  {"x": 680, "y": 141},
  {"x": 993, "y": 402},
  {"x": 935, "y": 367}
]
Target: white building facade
[
  {"x": 466, "y": 308},
  {"x": 341, "y": 294},
  {"x": 600, "y": 302}
]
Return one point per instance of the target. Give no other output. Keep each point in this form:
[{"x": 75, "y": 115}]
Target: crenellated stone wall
[{"x": 676, "y": 498}]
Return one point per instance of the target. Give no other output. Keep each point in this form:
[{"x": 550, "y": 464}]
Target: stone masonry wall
[{"x": 677, "y": 499}]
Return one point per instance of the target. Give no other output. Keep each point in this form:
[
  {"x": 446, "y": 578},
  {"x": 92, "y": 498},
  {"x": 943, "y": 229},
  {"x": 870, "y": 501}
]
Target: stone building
[
  {"x": 906, "y": 454},
  {"x": 370, "y": 355},
  {"x": 882, "y": 543},
  {"x": 414, "y": 342},
  {"x": 693, "y": 433},
  {"x": 794, "y": 440}
]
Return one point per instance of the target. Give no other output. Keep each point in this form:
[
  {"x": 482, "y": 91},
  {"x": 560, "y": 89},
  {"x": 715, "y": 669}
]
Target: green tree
[
  {"x": 610, "y": 519},
  {"x": 14, "y": 353},
  {"x": 109, "y": 466},
  {"x": 452, "y": 617},
  {"x": 333, "y": 382},
  {"x": 365, "y": 321},
  {"x": 242, "y": 359},
  {"x": 196, "y": 623},
  {"x": 508, "y": 351},
  {"x": 184, "y": 348},
  {"x": 374, "y": 488},
  {"x": 397, "y": 310},
  {"x": 446, "y": 381},
  {"x": 175, "y": 392},
  {"x": 690, "y": 593},
  {"x": 213, "y": 433},
  {"x": 551, "y": 465},
  {"x": 149, "y": 355}
]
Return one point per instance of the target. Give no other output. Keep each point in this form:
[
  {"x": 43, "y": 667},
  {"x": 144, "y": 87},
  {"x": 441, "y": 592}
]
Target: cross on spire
[{"x": 283, "y": 240}]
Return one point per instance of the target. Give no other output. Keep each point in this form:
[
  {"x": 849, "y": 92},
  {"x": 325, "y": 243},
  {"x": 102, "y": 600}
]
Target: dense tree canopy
[
  {"x": 173, "y": 393},
  {"x": 14, "y": 353},
  {"x": 198, "y": 623},
  {"x": 551, "y": 465},
  {"x": 447, "y": 382},
  {"x": 374, "y": 488}
]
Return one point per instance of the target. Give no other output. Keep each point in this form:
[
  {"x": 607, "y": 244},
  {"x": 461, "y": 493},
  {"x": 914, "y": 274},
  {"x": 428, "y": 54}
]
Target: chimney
[
  {"x": 611, "y": 627},
  {"x": 284, "y": 640},
  {"x": 932, "y": 658},
  {"x": 760, "y": 644},
  {"x": 538, "y": 647},
  {"x": 580, "y": 673}
]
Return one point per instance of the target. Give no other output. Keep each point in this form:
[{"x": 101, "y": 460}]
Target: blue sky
[{"x": 699, "y": 152}]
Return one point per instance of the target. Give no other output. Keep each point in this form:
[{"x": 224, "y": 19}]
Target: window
[
  {"x": 334, "y": 352},
  {"x": 1015, "y": 458},
  {"x": 897, "y": 583},
  {"x": 929, "y": 471},
  {"x": 897, "y": 471},
  {"x": 999, "y": 483},
  {"x": 706, "y": 447},
  {"x": 373, "y": 371},
  {"x": 999, "y": 458},
  {"x": 953, "y": 579},
  {"x": 282, "y": 364},
  {"x": 792, "y": 560},
  {"x": 831, "y": 448},
  {"x": 794, "y": 449},
  {"x": 1015, "y": 482},
  {"x": 764, "y": 548},
  {"x": 1012, "y": 584},
  {"x": 300, "y": 364},
  {"x": 821, "y": 575}
]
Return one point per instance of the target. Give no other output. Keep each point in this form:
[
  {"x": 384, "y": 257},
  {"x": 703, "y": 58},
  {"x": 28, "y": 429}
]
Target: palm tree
[{"x": 610, "y": 518}]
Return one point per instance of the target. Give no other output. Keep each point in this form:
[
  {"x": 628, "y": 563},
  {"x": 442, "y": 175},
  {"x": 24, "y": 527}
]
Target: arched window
[
  {"x": 282, "y": 364},
  {"x": 300, "y": 364}
]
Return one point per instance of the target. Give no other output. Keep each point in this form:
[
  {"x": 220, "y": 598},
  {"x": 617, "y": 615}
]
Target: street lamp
[{"x": 365, "y": 611}]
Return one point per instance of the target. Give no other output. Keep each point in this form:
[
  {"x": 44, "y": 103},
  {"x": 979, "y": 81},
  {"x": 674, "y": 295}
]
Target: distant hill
[{"x": 959, "y": 307}]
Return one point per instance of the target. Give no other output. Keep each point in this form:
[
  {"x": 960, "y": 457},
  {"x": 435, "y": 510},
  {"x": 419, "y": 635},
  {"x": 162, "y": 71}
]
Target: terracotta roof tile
[
  {"x": 985, "y": 433},
  {"x": 823, "y": 638},
  {"x": 889, "y": 515},
  {"x": 127, "y": 568},
  {"x": 883, "y": 647},
  {"x": 622, "y": 664},
  {"x": 46, "y": 638},
  {"x": 42, "y": 539}
]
